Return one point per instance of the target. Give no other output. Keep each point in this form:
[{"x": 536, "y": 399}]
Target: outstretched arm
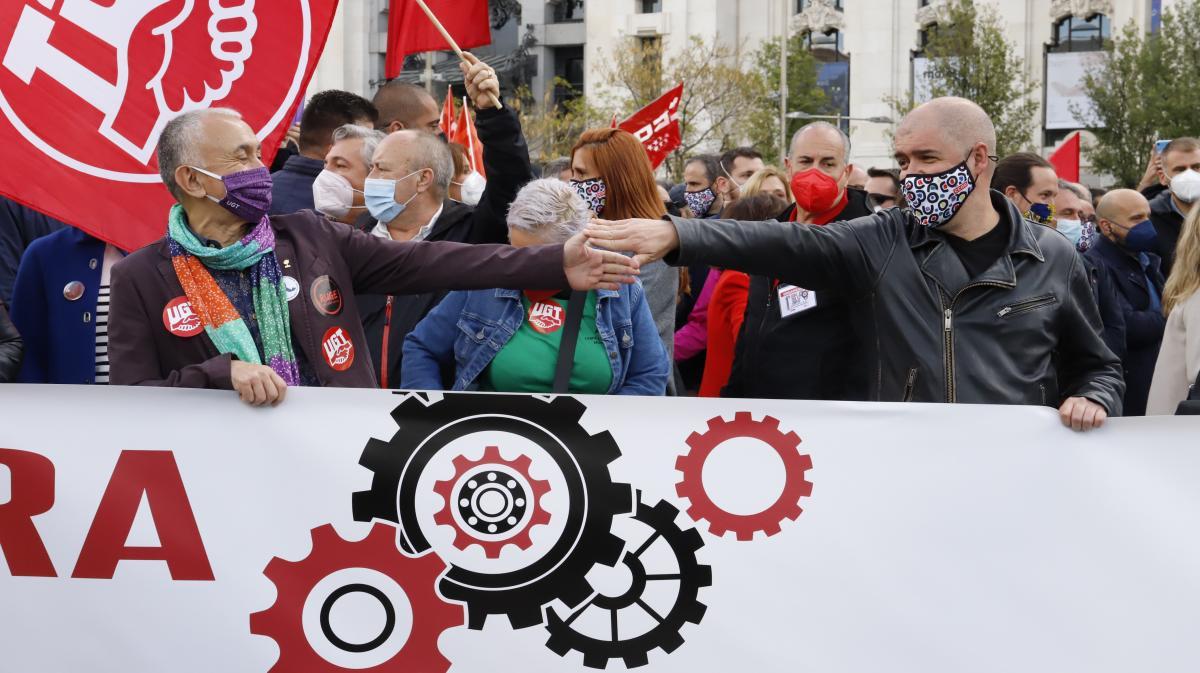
[{"x": 847, "y": 255}]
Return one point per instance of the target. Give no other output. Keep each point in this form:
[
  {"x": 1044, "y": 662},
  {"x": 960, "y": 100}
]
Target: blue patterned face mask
[
  {"x": 593, "y": 192},
  {"x": 1042, "y": 213},
  {"x": 934, "y": 200}
]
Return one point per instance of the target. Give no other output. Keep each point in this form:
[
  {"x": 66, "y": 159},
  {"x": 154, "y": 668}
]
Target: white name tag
[{"x": 793, "y": 300}]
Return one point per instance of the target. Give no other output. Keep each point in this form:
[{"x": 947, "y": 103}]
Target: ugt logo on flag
[{"x": 86, "y": 87}]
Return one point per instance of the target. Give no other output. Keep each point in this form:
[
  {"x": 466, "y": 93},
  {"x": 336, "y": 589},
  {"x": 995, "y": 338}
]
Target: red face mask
[{"x": 815, "y": 192}]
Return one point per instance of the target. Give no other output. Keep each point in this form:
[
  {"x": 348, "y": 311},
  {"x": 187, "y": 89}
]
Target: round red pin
[
  {"x": 338, "y": 349},
  {"x": 546, "y": 317},
  {"x": 180, "y": 319},
  {"x": 73, "y": 291}
]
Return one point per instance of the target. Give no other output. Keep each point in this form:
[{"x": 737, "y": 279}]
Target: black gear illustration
[
  {"x": 686, "y": 608},
  {"x": 552, "y": 424}
]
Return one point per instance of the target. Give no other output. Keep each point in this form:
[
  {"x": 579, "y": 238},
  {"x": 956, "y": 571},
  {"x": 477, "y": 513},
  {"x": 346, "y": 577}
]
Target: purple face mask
[{"x": 247, "y": 193}]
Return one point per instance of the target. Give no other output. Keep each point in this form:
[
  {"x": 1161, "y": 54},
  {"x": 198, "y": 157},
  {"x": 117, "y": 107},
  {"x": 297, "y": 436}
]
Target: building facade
[{"x": 868, "y": 50}]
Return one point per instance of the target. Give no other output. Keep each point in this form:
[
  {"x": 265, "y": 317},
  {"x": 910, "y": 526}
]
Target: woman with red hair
[{"x": 611, "y": 172}]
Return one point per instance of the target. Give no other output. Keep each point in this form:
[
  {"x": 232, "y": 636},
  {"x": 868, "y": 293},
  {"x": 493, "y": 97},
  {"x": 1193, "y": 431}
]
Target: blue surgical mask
[
  {"x": 1142, "y": 237},
  {"x": 1072, "y": 229},
  {"x": 380, "y": 197}
]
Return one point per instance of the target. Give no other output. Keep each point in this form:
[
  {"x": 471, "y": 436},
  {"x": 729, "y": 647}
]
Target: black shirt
[{"x": 980, "y": 254}]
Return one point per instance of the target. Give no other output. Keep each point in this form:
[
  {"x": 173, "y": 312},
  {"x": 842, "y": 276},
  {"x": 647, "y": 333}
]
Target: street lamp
[{"x": 840, "y": 118}]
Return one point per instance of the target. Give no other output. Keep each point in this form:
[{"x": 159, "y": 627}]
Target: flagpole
[
  {"x": 453, "y": 45},
  {"x": 429, "y": 71},
  {"x": 784, "y": 150}
]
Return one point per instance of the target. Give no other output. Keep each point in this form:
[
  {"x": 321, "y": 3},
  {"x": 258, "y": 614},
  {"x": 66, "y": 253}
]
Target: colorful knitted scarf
[{"x": 229, "y": 332}]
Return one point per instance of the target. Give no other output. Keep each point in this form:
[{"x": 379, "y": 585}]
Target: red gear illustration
[
  {"x": 418, "y": 577},
  {"x": 795, "y": 486},
  {"x": 520, "y": 537}
]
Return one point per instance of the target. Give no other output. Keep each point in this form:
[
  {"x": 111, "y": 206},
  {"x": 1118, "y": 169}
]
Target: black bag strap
[{"x": 566, "y": 348}]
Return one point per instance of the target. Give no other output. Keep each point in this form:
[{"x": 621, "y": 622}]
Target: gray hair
[
  {"x": 555, "y": 167},
  {"x": 430, "y": 151},
  {"x": 826, "y": 126},
  {"x": 1075, "y": 189},
  {"x": 370, "y": 137},
  {"x": 177, "y": 146},
  {"x": 548, "y": 209}
]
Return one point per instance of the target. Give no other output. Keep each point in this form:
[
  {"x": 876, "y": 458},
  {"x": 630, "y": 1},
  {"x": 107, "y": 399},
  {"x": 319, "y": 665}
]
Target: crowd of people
[{"x": 374, "y": 254}]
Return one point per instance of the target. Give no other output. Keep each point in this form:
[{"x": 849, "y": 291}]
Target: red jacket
[
  {"x": 726, "y": 310},
  {"x": 331, "y": 262}
]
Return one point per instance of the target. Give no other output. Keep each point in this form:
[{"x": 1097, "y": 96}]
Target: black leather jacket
[
  {"x": 1026, "y": 331},
  {"x": 11, "y": 348}
]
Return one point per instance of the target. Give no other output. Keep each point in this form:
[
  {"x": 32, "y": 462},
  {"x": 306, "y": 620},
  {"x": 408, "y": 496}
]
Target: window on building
[
  {"x": 568, "y": 67},
  {"x": 826, "y": 47},
  {"x": 568, "y": 11},
  {"x": 802, "y": 5},
  {"x": 651, "y": 52},
  {"x": 1076, "y": 34},
  {"x": 833, "y": 72},
  {"x": 651, "y": 6}
]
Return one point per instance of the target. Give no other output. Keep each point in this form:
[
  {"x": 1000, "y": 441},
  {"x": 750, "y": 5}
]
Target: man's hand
[
  {"x": 257, "y": 385},
  {"x": 481, "y": 82},
  {"x": 1081, "y": 414},
  {"x": 1153, "y": 171},
  {"x": 588, "y": 268},
  {"x": 292, "y": 137},
  {"x": 650, "y": 240}
]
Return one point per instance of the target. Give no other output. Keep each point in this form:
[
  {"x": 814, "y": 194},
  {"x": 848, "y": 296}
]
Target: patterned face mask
[
  {"x": 700, "y": 201},
  {"x": 1041, "y": 213},
  {"x": 593, "y": 193},
  {"x": 935, "y": 199}
]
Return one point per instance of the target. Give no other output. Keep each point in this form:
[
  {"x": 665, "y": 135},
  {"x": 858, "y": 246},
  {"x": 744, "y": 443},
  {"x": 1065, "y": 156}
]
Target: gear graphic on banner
[
  {"x": 492, "y": 502},
  {"x": 744, "y": 526},
  {"x": 313, "y": 639},
  {"x": 581, "y": 459},
  {"x": 633, "y": 604}
]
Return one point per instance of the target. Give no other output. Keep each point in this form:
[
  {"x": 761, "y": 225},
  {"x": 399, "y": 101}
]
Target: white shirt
[{"x": 381, "y": 230}]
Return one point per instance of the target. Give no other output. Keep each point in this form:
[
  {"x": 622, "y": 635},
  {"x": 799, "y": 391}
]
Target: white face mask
[
  {"x": 333, "y": 195},
  {"x": 1186, "y": 186},
  {"x": 472, "y": 188}
]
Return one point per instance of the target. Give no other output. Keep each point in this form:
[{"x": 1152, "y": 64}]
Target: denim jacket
[{"x": 470, "y": 327}]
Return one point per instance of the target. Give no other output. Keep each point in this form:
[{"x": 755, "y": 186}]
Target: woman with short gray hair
[{"x": 508, "y": 341}]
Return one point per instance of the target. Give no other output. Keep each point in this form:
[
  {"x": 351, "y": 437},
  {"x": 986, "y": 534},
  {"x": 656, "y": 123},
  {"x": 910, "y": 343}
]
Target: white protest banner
[{"x": 150, "y": 530}]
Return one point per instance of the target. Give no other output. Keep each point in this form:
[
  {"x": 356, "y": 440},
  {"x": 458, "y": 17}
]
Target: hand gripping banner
[{"x": 86, "y": 87}]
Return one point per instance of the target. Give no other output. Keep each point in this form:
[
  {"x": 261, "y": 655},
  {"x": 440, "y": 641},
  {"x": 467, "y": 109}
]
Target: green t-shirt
[{"x": 526, "y": 363}]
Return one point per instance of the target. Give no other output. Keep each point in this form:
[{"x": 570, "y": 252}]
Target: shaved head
[
  {"x": 1115, "y": 205},
  {"x": 1119, "y": 211},
  {"x": 960, "y": 122},
  {"x": 406, "y": 106}
]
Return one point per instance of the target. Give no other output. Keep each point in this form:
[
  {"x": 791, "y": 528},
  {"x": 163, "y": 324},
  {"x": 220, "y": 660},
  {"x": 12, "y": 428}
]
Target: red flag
[
  {"x": 411, "y": 32},
  {"x": 1066, "y": 159},
  {"x": 657, "y": 126},
  {"x": 465, "y": 135},
  {"x": 86, "y": 94},
  {"x": 448, "y": 123}
]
